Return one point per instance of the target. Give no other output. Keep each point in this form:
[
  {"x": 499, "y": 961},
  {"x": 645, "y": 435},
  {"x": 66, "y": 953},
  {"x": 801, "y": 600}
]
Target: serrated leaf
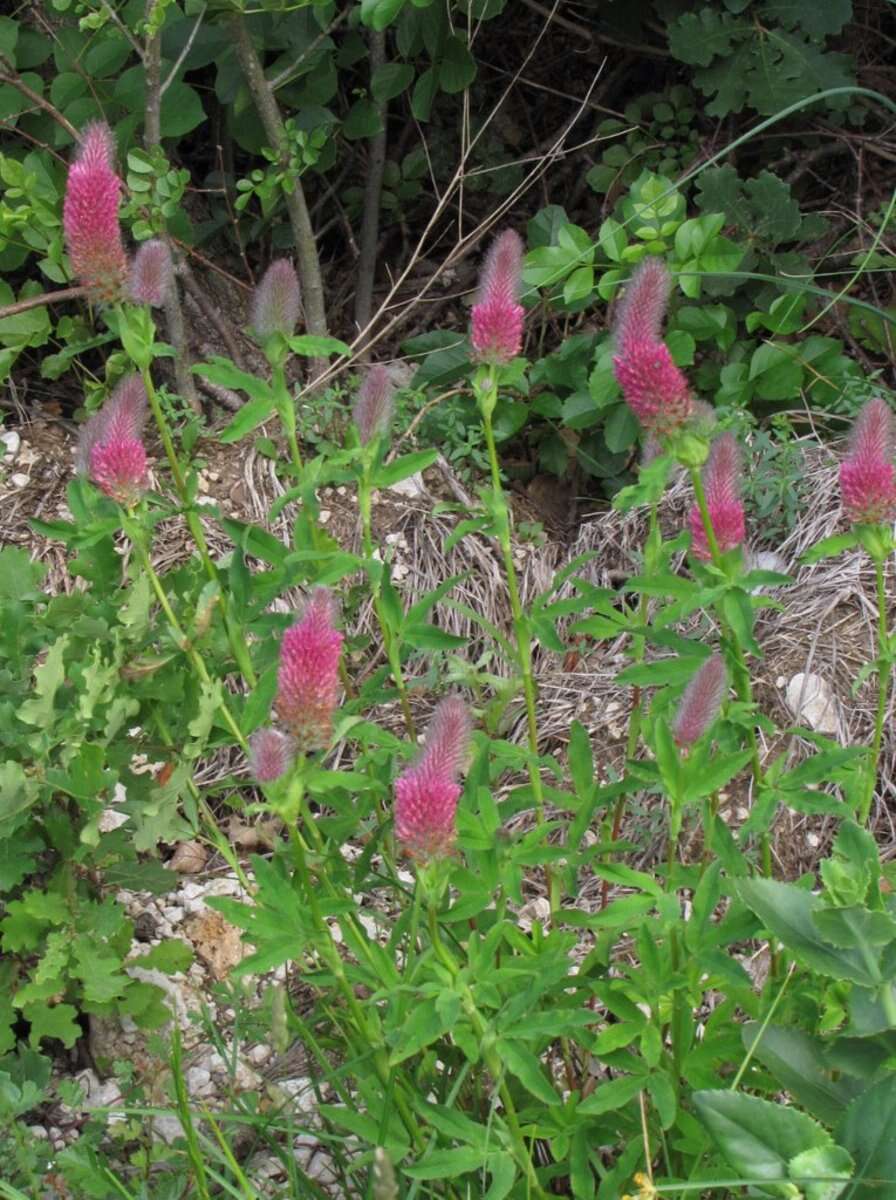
[
  {"x": 758, "y": 1138},
  {"x": 786, "y": 911},
  {"x": 866, "y": 1131},
  {"x": 798, "y": 1063},
  {"x": 822, "y": 1172}
]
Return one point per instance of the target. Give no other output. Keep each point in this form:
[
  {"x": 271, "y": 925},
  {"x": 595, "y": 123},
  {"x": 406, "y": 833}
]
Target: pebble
[
  {"x": 411, "y": 487},
  {"x": 301, "y": 1091},
  {"x": 245, "y": 1079},
  {"x": 199, "y": 1081},
  {"x": 10, "y": 442},
  {"x": 38, "y": 1131},
  {"x": 19, "y": 480},
  {"x": 259, "y": 1055},
  {"x": 810, "y": 699}
]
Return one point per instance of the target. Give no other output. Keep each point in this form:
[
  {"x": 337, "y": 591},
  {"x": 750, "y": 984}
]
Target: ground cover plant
[{"x": 707, "y": 1026}]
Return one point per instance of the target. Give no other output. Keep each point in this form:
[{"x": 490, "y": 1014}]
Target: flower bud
[
  {"x": 152, "y": 274},
  {"x": 110, "y": 447},
  {"x": 497, "y": 318},
  {"x": 90, "y": 215},
  {"x": 426, "y": 794},
  {"x": 701, "y": 701},
  {"x": 270, "y": 754},
  {"x": 374, "y": 404},
  {"x": 721, "y": 485},
  {"x": 867, "y": 478},
  {"x": 276, "y": 301}
]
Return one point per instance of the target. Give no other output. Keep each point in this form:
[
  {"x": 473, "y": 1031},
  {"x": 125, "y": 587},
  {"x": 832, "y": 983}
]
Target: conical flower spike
[
  {"x": 90, "y": 215},
  {"x": 374, "y": 404},
  {"x": 867, "y": 478},
  {"x": 152, "y": 274},
  {"x": 271, "y": 753},
  {"x": 654, "y": 388},
  {"x": 426, "y": 794},
  {"x": 701, "y": 702},
  {"x": 497, "y": 318},
  {"x": 110, "y": 447},
  {"x": 642, "y": 309},
  {"x": 276, "y": 301},
  {"x": 721, "y": 485},
  {"x": 308, "y": 679}
]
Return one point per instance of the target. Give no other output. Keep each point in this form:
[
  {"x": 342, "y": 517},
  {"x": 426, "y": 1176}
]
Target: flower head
[
  {"x": 152, "y": 274},
  {"x": 497, "y": 318},
  {"x": 308, "y": 678},
  {"x": 867, "y": 477},
  {"x": 90, "y": 215},
  {"x": 276, "y": 301},
  {"x": 721, "y": 484},
  {"x": 373, "y": 405},
  {"x": 270, "y": 754},
  {"x": 701, "y": 701},
  {"x": 110, "y": 447},
  {"x": 654, "y": 388},
  {"x": 643, "y": 307},
  {"x": 426, "y": 794}
]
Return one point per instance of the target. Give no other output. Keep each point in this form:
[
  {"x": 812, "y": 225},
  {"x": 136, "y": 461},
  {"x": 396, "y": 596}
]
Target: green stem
[
  {"x": 521, "y": 632},
  {"x": 634, "y": 724},
  {"x": 393, "y": 650},
  {"x": 490, "y": 1056},
  {"x": 883, "y": 689},
  {"x": 742, "y": 684},
  {"x": 286, "y": 409},
  {"x": 196, "y": 661},
  {"x": 238, "y": 646},
  {"x": 368, "y": 1030}
]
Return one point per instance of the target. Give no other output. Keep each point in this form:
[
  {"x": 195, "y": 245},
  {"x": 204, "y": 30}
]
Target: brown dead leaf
[
  {"x": 216, "y": 942},
  {"x": 188, "y": 858}
]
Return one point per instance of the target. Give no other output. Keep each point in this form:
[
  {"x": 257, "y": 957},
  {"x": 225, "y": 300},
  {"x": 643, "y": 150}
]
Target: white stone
[
  {"x": 111, "y": 819},
  {"x": 411, "y": 487},
  {"x": 245, "y": 1079},
  {"x": 301, "y": 1091},
  {"x": 259, "y": 1054},
  {"x": 810, "y": 699},
  {"x": 168, "y": 1128},
  {"x": 38, "y": 1131},
  {"x": 174, "y": 914},
  {"x": 324, "y": 516},
  {"x": 199, "y": 1081},
  {"x": 19, "y": 480},
  {"x": 539, "y": 910},
  {"x": 10, "y": 441}
]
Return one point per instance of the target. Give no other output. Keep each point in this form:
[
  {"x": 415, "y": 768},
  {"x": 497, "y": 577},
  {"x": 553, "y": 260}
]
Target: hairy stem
[
  {"x": 883, "y": 690},
  {"x": 135, "y": 533},
  {"x": 490, "y": 1056},
  {"x": 235, "y": 636},
  {"x": 393, "y": 650},
  {"x": 742, "y": 684},
  {"x": 520, "y": 628}
]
